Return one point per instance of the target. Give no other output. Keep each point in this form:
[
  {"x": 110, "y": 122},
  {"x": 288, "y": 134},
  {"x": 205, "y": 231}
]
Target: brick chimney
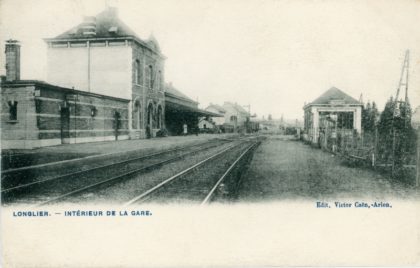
[
  {"x": 89, "y": 26},
  {"x": 12, "y": 60}
]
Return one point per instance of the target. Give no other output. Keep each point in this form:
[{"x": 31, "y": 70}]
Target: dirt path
[{"x": 285, "y": 169}]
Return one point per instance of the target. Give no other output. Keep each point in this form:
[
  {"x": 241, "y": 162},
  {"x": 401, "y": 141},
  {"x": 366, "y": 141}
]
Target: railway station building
[
  {"x": 103, "y": 83},
  {"x": 333, "y": 110},
  {"x": 102, "y": 55}
]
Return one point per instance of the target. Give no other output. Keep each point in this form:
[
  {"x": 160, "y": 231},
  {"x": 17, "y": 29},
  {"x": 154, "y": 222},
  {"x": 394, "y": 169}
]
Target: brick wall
[
  {"x": 40, "y": 121},
  {"x": 141, "y": 89}
]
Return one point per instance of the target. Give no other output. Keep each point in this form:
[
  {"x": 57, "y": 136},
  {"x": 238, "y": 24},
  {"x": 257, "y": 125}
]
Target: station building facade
[
  {"x": 104, "y": 56},
  {"x": 333, "y": 110},
  {"x": 103, "y": 83}
]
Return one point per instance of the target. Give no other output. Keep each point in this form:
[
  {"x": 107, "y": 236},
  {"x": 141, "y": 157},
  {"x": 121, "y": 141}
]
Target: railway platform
[{"x": 45, "y": 156}]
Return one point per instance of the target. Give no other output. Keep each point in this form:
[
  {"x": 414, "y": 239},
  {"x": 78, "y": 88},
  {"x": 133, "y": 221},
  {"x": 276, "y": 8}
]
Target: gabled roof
[
  {"x": 105, "y": 20},
  {"x": 219, "y": 108},
  {"x": 334, "y": 94},
  {"x": 237, "y": 107},
  {"x": 107, "y": 26}
]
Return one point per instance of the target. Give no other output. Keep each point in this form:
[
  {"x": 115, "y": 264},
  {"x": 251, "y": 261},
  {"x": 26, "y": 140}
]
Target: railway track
[
  {"x": 58, "y": 187},
  {"x": 203, "y": 181},
  {"x": 11, "y": 178}
]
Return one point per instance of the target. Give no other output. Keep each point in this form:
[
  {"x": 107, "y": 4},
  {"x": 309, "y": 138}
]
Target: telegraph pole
[{"x": 403, "y": 83}]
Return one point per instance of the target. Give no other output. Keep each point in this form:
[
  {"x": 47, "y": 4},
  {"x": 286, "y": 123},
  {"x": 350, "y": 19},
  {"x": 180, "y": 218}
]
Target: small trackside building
[
  {"x": 36, "y": 114},
  {"x": 333, "y": 108}
]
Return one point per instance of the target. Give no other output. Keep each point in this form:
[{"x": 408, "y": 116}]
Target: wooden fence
[{"x": 369, "y": 149}]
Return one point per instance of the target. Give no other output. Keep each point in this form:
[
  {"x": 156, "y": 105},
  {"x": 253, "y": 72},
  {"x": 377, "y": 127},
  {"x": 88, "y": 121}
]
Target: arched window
[
  {"x": 137, "y": 71},
  {"x": 151, "y": 80},
  {"x": 137, "y": 114},
  {"x": 158, "y": 80}
]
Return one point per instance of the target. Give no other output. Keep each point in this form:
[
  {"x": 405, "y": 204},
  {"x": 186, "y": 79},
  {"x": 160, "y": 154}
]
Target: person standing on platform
[{"x": 185, "y": 129}]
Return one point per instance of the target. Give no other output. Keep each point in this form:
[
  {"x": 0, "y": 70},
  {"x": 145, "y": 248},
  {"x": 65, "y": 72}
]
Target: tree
[
  {"x": 397, "y": 138},
  {"x": 385, "y": 131},
  {"x": 369, "y": 117}
]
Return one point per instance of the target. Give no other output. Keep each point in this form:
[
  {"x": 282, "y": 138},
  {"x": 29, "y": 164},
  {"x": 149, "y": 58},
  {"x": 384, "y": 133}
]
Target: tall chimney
[{"x": 12, "y": 60}]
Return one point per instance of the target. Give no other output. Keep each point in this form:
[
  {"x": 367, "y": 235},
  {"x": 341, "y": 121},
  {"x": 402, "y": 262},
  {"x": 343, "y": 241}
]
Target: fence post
[
  {"x": 375, "y": 147},
  {"x": 418, "y": 159}
]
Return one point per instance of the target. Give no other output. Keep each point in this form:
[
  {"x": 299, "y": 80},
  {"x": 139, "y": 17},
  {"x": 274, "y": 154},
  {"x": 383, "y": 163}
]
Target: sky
[{"x": 273, "y": 55}]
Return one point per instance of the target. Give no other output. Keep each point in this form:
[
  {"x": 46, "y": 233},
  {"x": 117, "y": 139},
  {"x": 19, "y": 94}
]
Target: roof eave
[
  {"x": 128, "y": 37},
  {"x": 331, "y": 105},
  {"x": 180, "y": 98}
]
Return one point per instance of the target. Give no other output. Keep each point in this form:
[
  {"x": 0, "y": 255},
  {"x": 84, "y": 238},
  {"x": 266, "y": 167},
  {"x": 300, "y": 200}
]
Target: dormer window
[{"x": 113, "y": 29}]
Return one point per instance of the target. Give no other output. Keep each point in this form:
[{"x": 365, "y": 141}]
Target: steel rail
[
  {"x": 20, "y": 169},
  {"x": 148, "y": 192},
  {"x": 210, "y": 194},
  {"x": 121, "y": 176},
  {"x": 97, "y": 168}
]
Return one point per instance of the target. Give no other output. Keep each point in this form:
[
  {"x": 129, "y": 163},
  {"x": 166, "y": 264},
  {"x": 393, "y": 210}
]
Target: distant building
[
  {"x": 235, "y": 115},
  {"x": 217, "y": 109},
  {"x": 234, "y": 119},
  {"x": 333, "y": 108},
  {"x": 206, "y": 125}
]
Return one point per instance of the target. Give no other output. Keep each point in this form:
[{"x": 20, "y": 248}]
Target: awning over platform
[{"x": 179, "y": 108}]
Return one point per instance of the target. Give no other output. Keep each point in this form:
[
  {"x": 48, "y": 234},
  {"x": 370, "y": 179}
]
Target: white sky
[{"x": 274, "y": 55}]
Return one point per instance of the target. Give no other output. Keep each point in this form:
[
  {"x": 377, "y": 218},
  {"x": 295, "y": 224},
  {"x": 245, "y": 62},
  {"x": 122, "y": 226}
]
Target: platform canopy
[
  {"x": 178, "y": 102},
  {"x": 180, "y": 108}
]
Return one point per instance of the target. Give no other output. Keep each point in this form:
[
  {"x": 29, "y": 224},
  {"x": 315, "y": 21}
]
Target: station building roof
[
  {"x": 45, "y": 85},
  {"x": 334, "y": 96},
  {"x": 178, "y": 102},
  {"x": 173, "y": 107},
  {"x": 105, "y": 26}
]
